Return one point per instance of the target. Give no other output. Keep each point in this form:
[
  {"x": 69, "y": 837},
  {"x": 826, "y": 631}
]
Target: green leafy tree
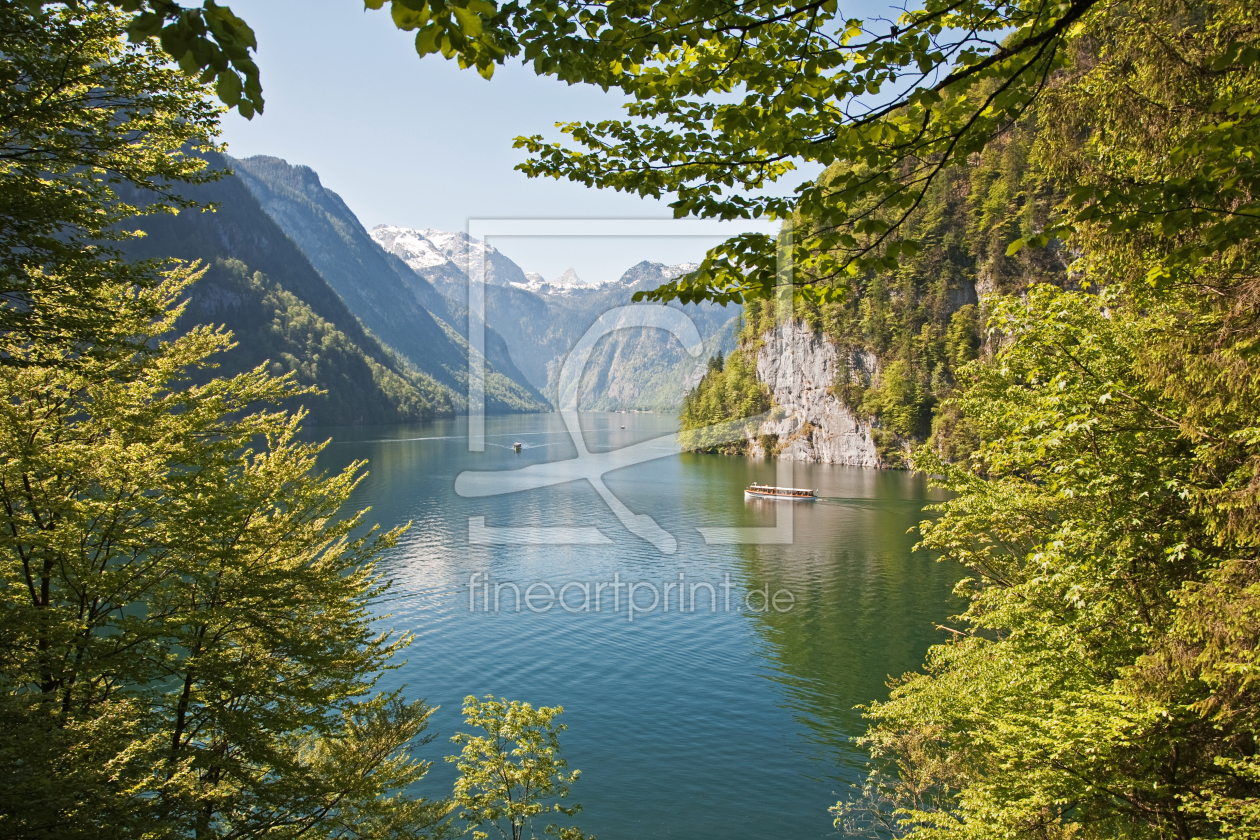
[
  {"x": 729, "y": 392},
  {"x": 470, "y": 31},
  {"x": 186, "y": 645},
  {"x": 1075, "y": 530},
  {"x": 186, "y": 631},
  {"x": 1101, "y": 683},
  {"x": 210, "y": 44},
  {"x": 1075, "y": 700},
  {"x": 512, "y": 772},
  {"x": 83, "y": 113},
  {"x": 726, "y": 100}
]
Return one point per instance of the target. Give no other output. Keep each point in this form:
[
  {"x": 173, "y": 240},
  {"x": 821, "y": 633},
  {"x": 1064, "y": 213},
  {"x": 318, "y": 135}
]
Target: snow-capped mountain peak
[
  {"x": 570, "y": 280},
  {"x": 672, "y": 271},
  {"x": 454, "y": 253},
  {"x": 428, "y": 247},
  {"x": 411, "y": 246},
  {"x": 564, "y": 284}
]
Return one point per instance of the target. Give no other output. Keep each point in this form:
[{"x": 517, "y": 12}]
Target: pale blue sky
[{"x": 420, "y": 143}]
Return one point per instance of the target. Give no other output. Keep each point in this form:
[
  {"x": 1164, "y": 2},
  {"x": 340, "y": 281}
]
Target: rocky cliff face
[{"x": 809, "y": 423}]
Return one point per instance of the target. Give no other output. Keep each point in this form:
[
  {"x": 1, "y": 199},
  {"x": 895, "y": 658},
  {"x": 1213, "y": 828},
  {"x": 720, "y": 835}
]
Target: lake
[{"x": 732, "y": 717}]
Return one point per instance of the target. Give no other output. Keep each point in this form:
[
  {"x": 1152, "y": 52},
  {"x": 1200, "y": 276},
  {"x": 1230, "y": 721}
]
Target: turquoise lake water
[{"x": 725, "y": 720}]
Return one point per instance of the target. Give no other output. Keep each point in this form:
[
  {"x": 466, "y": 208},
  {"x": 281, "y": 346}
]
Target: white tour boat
[{"x": 797, "y": 494}]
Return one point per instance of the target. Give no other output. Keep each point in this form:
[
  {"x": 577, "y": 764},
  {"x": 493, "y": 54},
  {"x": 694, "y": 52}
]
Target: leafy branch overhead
[
  {"x": 209, "y": 42},
  {"x": 728, "y": 99},
  {"x": 216, "y": 46},
  {"x": 466, "y": 30}
]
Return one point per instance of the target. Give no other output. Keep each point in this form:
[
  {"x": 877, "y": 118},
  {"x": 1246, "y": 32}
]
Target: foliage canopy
[
  {"x": 83, "y": 113},
  {"x": 185, "y": 639},
  {"x": 186, "y": 643},
  {"x": 511, "y": 772},
  {"x": 1100, "y": 679},
  {"x": 728, "y": 99}
]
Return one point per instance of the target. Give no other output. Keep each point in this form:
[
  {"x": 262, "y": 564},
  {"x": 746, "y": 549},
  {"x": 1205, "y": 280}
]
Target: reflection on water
[{"x": 712, "y": 723}]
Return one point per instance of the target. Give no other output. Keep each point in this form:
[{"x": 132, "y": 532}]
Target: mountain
[
  {"x": 443, "y": 257},
  {"x": 644, "y": 368},
  {"x": 398, "y": 305},
  {"x": 262, "y": 287},
  {"x": 542, "y": 320},
  {"x": 523, "y": 318},
  {"x": 364, "y": 382},
  {"x": 423, "y": 258},
  {"x": 568, "y": 281},
  {"x": 870, "y": 375}
]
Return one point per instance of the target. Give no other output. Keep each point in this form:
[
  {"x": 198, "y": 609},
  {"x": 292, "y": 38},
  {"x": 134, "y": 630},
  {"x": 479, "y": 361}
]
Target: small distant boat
[
  {"x": 516, "y": 447},
  {"x": 795, "y": 494},
  {"x": 623, "y": 427}
]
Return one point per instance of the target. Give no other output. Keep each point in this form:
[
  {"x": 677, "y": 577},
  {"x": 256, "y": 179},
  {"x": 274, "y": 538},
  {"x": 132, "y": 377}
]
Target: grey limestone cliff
[{"x": 809, "y": 422}]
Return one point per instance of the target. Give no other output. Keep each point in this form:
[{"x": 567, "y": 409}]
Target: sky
[{"x": 420, "y": 143}]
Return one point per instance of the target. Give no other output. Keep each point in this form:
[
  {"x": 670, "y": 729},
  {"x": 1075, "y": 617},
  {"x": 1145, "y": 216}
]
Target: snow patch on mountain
[
  {"x": 673, "y": 271},
  {"x": 456, "y": 253},
  {"x": 411, "y": 246},
  {"x": 569, "y": 279},
  {"x": 565, "y": 284},
  {"x": 433, "y": 247}
]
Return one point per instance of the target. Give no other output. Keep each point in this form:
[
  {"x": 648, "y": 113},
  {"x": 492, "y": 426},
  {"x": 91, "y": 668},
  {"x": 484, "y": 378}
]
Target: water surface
[{"x": 727, "y": 723}]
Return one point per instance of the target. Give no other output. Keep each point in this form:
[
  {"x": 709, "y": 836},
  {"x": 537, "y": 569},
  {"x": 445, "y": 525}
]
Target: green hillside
[
  {"x": 397, "y": 305},
  {"x": 276, "y": 327},
  {"x": 280, "y": 309},
  {"x": 922, "y": 321}
]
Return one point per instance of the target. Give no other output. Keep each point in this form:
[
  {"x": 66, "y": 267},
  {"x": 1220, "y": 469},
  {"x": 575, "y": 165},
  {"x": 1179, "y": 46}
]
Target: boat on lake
[{"x": 761, "y": 491}]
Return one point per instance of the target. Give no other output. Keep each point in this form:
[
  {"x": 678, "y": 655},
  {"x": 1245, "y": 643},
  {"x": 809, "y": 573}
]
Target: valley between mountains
[{"x": 378, "y": 320}]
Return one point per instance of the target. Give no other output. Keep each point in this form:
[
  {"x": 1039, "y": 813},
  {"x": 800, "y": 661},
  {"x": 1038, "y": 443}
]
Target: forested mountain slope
[
  {"x": 400, "y": 307},
  {"x": 263, "y": 288},
  {"x": 871, "y": 370},
  {"x": 274, "y": 325}
]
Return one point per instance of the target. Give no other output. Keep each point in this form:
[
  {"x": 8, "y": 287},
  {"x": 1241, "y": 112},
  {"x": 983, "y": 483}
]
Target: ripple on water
[{"x": 727, "y": 724}]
